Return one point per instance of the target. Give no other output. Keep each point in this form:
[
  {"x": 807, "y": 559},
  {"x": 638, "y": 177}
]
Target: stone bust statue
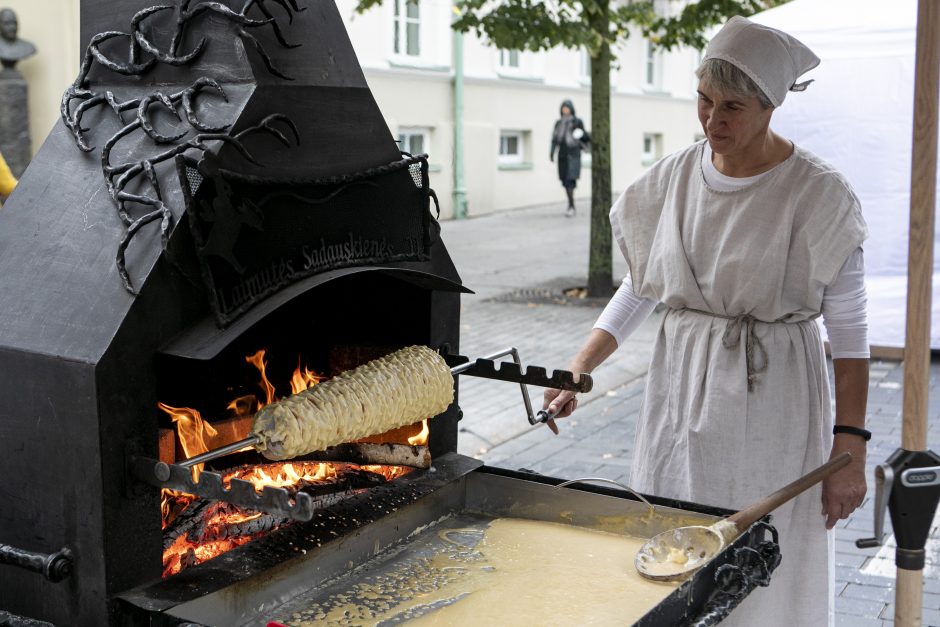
[{"x": 11, "y": 48}]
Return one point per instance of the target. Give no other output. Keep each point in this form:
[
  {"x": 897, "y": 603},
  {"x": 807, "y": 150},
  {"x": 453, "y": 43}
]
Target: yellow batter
[{"x": 521, "y": 572}]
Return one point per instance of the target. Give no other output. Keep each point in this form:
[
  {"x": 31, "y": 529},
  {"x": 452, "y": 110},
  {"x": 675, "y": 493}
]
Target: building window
[
  {"x": 407, "y": 28},
  {"x": 651, "y": 65},
  {"x": 414, "y": 140},
  {"x": 511, "y": 146},
  {"x": 652, "y": 148},
  {"x": 585, "y": 66},
  {"x": 509, "y": 59}
]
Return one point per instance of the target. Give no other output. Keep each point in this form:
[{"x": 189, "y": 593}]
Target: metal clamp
[
  {"x": 884, "y": 482},
  {"x": 908, "y": 486}
]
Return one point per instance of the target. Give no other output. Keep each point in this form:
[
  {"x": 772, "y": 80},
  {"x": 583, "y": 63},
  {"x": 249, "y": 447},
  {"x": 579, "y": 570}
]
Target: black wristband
[{"x": 863, "y": 433}]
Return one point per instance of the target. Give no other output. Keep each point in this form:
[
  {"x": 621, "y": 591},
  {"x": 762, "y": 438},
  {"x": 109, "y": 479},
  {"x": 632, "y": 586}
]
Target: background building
[{"x": 511, "y": 99}]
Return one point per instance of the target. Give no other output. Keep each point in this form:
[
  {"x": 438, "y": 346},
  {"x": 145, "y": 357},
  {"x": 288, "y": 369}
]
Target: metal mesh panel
[
  {"x": 415, "y": 170},
  {"x": 194, "y": 179}
]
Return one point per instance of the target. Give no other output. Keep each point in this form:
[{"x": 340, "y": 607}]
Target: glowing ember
[
  {"x": 184, "y": 551},
  {"x": 285, "y": 475}
]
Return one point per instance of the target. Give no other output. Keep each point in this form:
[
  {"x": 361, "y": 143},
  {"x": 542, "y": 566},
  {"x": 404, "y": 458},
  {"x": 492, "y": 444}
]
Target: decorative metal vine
[{"x": 143, "y": 55}]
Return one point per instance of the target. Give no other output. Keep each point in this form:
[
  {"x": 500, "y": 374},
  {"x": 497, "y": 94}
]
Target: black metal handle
[
  {"x": 52, "y": 566},
  {"x": 867, "y": 543},
  {"x": 543, "y": 416}
]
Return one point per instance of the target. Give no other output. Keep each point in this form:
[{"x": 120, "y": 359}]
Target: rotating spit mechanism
[
  {"x": 908, "y": 486},
  {"x": 300, "y": 506}
]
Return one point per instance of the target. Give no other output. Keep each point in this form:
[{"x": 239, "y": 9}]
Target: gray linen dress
[{"x": 766, "y": 251}]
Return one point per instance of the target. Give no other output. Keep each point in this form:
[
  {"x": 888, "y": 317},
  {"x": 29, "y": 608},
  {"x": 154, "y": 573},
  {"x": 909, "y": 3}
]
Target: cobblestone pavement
[{"x": 512, "y": 260}]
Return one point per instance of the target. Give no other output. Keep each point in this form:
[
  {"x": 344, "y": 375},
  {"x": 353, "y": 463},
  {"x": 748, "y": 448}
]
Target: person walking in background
[
  {"x": 7, "y": 180},
  {"x": 746, "y": 239},
  {"x": 569, "y": 137}
]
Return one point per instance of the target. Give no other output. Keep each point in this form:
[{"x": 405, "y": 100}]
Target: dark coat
[{"x": 569, "y": 148}]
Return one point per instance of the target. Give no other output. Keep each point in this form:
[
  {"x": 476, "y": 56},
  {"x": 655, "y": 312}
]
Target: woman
[
  {"x": 569, "y": 137},
  {"x": 746, "y": 239}
]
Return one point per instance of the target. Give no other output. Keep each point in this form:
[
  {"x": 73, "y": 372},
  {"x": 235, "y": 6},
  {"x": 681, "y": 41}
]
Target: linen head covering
[{"x": 771, "y": 58}]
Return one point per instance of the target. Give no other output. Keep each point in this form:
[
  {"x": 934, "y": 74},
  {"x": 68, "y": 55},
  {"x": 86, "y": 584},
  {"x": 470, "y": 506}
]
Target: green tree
[{"x": 598, "y": 26}]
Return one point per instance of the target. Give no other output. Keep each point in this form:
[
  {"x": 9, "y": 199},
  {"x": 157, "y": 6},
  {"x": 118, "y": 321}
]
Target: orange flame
[
  {"x": 244, "y": 406},
  {"x": 192, "y": 430},
  {"x": 421, "y": 438},
  {"x": 303, "y": 379},
  {"x": 257, "y": 360}
]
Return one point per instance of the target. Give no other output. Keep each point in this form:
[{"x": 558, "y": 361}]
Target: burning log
[
  {"x": 206, "y": 522},
  {"x": 225, "y": 530},
  {"x": 414, "y": 456}
]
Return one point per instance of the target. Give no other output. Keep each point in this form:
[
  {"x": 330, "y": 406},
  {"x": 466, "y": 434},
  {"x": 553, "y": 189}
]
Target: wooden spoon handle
[{"x": 747, "y": 516}]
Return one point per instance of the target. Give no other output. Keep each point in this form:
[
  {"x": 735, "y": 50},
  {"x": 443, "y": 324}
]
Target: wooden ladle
[{"x": 676, "y": 554}]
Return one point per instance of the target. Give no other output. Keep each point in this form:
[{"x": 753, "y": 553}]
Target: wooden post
[{"x": 909, "y": 591}]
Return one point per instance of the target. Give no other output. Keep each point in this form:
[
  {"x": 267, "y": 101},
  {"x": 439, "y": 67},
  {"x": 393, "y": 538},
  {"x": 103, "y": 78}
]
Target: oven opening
[{"x": 207, "y": 404}]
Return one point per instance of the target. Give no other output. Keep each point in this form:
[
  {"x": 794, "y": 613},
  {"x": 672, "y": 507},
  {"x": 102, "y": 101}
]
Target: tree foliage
[{"x": 598, "y": 26}]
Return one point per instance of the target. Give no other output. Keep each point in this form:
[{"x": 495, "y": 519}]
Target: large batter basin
[{"x": 460, "y": 491}]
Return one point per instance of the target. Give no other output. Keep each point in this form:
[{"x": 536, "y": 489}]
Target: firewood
[{"x": 383, "y": 454}]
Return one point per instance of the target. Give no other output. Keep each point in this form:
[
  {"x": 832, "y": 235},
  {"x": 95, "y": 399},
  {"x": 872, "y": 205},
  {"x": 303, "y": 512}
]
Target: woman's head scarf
[{"x": 771, "y": 58}]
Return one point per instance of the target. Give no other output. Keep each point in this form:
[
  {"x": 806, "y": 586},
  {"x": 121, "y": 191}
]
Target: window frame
[
  {"x": 516, "y": 158},
  {"x": 655, "y": 152},
  {"x": 407, "y": 133},
  {"x": 505, "y": 54},
  {"x": 400, "y": 22},
  {"x": 652, "y": 66}
]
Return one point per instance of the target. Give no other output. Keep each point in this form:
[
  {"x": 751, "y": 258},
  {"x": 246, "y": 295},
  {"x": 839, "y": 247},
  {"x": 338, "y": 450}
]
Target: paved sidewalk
[{"x": 530, "y": 253}]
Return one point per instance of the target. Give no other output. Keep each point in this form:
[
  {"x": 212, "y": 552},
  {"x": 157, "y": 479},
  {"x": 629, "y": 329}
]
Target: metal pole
[
  {"x": 460, "y": 194},
  {"x": 909, "y": 591}
]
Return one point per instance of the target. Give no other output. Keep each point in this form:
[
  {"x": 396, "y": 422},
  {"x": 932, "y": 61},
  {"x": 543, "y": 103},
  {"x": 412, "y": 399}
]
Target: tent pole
[{"x": 909, "y": 591}]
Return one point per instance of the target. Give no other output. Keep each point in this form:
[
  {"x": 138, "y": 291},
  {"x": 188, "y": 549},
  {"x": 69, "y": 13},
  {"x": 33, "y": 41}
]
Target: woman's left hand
[{"x": 844, "y": 491}]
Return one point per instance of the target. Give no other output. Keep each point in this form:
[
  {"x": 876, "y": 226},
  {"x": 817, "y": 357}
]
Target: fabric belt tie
[{"x": 755, "y": 355}]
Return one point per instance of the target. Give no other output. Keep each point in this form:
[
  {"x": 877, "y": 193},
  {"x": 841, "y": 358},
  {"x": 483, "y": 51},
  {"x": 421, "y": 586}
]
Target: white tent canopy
[{"x": 857, "y": 115}]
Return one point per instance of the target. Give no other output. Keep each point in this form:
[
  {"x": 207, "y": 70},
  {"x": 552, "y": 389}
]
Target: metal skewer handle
[
  {"x": 543, "y": 416},
  {"x": 219, "y": 452},
  {"x": 512, "y": 350}
]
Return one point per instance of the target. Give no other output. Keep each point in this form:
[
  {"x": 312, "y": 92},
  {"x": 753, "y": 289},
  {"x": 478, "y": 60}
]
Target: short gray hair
[{"x": 729, "y": 79}]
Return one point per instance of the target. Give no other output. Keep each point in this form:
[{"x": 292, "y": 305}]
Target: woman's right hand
[{"x": 559, "y": 402}]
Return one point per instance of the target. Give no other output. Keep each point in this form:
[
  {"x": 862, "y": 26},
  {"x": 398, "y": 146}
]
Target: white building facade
[{"x": 511, "y": 100}]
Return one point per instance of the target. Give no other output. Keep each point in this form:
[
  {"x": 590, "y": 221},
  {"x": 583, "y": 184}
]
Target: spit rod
[{"x": 252, "y": 440}]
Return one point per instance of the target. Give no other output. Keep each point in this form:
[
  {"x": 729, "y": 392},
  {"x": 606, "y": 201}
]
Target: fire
[
  {"x": 226, "y": 526},
  {"x": 192, "y": 431},
  {"x": 303, "y": 379},
  {"x": 198, "y": 436},
  {"x": 257, "y": 360},
  {"x": 286, "y": 475},
  {"x": 421, "y": 438}
]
